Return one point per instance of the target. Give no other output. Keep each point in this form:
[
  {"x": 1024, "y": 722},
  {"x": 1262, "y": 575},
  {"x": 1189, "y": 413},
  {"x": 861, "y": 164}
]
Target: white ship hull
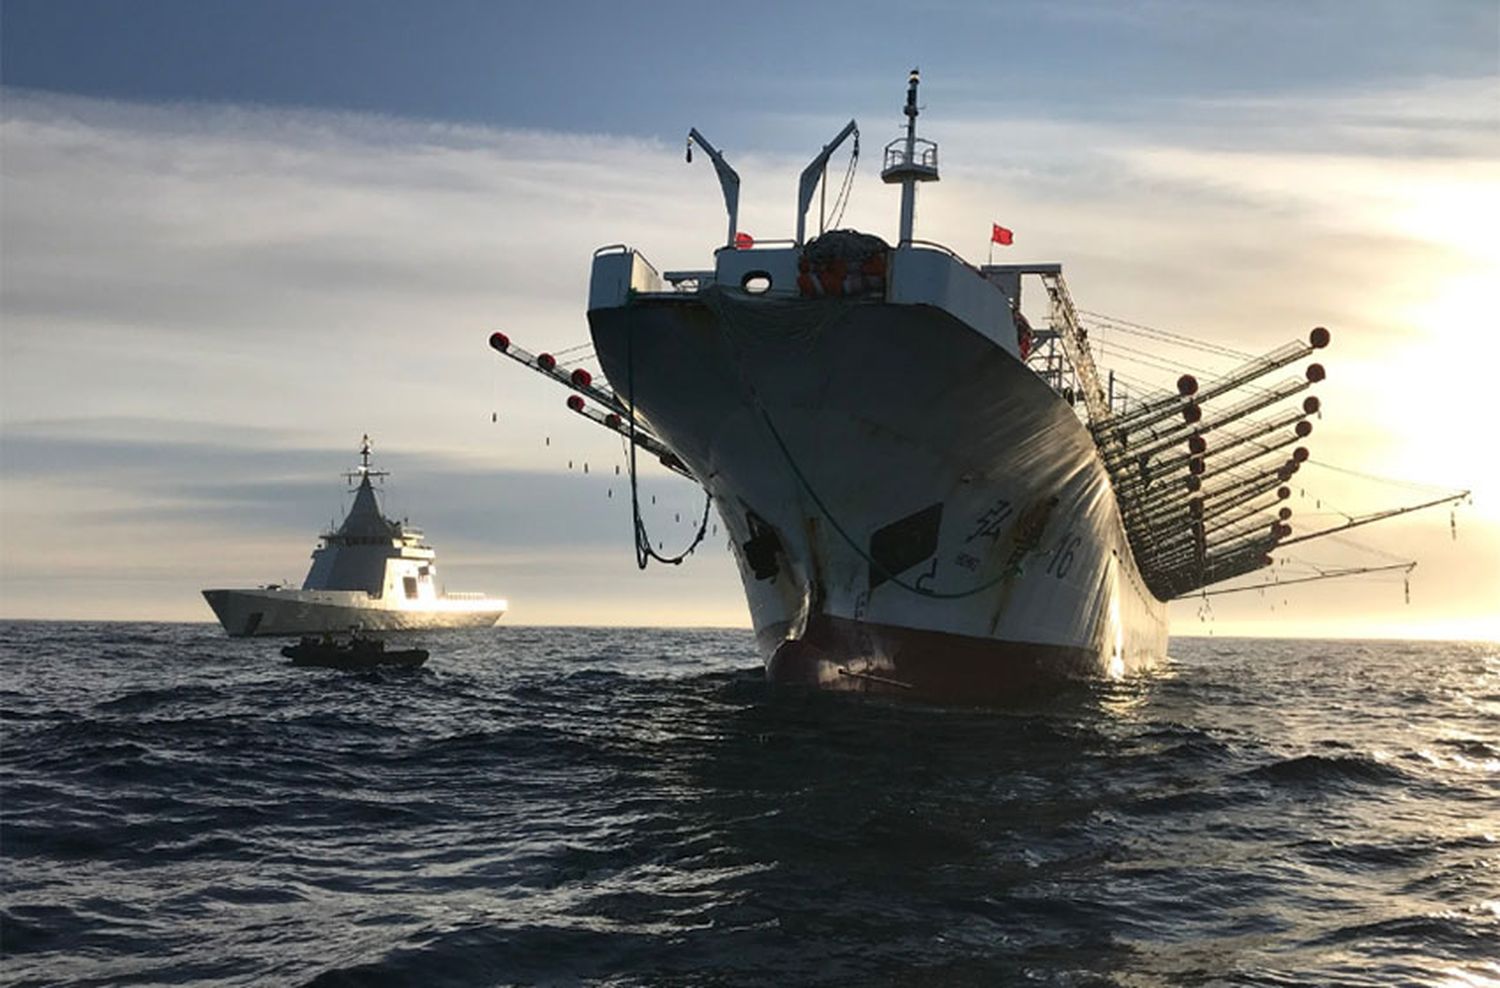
[
  {"x": 301, "y": 612},
  {"x": 939, "y": 518}
]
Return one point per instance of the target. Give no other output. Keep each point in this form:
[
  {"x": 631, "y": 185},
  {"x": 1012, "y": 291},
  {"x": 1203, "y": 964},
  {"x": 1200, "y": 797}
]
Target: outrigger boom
[
  {"x": 615, "y": 422},
  {"x": 580, "y": 381}
]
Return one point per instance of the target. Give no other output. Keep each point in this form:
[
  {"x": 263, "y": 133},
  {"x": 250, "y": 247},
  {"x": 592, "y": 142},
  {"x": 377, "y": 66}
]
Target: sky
[{"x": 236, "y": 236}]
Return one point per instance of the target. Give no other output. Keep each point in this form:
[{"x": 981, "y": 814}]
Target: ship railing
[
  {"x": 618, "y": 272},
  {"x": 635, "y": 255},
  {"x": 760, "y": 244},
  {"x": 1047, "y": 358},
  {"x": 1074, "y": 339},
  {"x": 924, "y": 155},
  {"x": 946, "y": 250},
  {"x": 691, "y": 281}
]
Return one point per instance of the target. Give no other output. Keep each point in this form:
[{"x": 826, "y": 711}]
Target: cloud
[
  {"x": 166, "y": 518},
  {"x": 205, "y": 306}
]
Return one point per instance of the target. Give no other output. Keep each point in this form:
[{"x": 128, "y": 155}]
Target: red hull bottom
[{"x": 840, "y": 654}]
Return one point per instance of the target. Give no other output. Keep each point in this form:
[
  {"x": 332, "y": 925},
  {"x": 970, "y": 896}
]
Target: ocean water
[{"x": 626, "y": 807}]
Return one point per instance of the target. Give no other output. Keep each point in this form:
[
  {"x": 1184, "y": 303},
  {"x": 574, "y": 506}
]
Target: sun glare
[{"x": 1458, "y": 211}]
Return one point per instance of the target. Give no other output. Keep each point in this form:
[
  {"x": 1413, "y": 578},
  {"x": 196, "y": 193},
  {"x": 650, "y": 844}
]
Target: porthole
[{"x": 756, "y": 282}]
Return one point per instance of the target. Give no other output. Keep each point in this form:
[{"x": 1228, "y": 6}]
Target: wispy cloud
[
  {"x": 144, "y": 514},
  {"x": 205, "y": 306}
]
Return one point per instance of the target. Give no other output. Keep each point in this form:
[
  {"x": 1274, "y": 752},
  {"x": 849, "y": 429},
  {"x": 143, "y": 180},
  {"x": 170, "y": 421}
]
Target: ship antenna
[
  {"x": 911, "y": 107},
  {"x": 362, "y": 473},
  {"x": 909, "y": 160}
]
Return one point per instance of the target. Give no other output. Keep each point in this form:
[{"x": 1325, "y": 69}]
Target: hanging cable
[
  {"x": 644, "y": 553},
  {"x": 1156, "y": 362},
  {"x": 1124, "y": 325},
  {"x": 1411, "y": 485},
  {"x": 1330, "y": 575},
  {"x": 576, "y": 354},
  {"x": 1361, "y": 547},
  {"x": 875, "y": 566},
  {"x": 841, "y": 201}
]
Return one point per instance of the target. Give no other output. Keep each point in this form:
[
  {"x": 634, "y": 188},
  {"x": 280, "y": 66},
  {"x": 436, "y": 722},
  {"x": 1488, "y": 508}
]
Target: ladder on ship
[
  {"x": 1099, "y": 405},
  {"x": 1067, "y": 334},
  {"x": 1199, "y": 473}
]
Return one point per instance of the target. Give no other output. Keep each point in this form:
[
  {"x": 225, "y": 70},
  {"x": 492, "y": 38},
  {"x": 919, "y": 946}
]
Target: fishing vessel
[
  {"x": 371, "y": 573},
  {"x": 923, "y": 492}
]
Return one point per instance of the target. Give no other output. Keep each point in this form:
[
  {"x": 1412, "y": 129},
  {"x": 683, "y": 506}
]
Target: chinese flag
[
  {"x": 1000, "y": 235},
  {"x": 743, "y": 240}
]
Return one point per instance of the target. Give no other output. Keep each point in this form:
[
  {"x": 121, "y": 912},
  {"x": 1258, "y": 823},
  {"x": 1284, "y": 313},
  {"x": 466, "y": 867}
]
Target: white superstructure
[{"x": 371, "y": 573}]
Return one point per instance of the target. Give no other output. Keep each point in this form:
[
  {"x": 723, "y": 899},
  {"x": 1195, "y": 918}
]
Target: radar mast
[
  {"x": 360, "y": 475},
  {"x": 909, "y": 160}
]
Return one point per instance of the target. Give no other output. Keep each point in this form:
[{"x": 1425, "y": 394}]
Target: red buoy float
[
  {"x": 1187, "y": 385},
  {"x": 1300, "y": 454},
  {"x": 1315, "y": 373},
  {"x": 1192, "y": 413},
  {"x": 500, "y": 341},
  {"x": 612, "y": 420},
  {"x": 1197, "y": 445},
  {"x": 1304, "y": 429},
  {"x": 581, "y": 377},
  {"x": 1284, "y": 514},
  {"x": 546, "y": 361},
  {"x": 575, "y": 402},
  {"x": 1282, "y": 493},
  {"x": 1311, "y": 404},
  {"x": 1319, "y": 338}
]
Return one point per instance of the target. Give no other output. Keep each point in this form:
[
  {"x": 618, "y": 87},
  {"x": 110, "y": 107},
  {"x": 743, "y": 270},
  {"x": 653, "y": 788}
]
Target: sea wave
[{"x": 560, "y": 806}]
